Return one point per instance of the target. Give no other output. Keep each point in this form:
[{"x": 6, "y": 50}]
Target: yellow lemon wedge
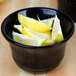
[
  {"x": 23, "y": 39},
  {"x": 57, "y": 34},
  {"x": 18, "y": 27},
  {"x": 33, "y": 24},
  {"x": 48, "y": 42},
  {"x": 48, "y": 22},
  {"x": 34, "y": 34}
]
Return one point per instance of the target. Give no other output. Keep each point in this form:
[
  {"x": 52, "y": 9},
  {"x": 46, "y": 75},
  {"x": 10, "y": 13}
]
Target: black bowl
[
  {"x": 68, "y": 6},
  {"x": 37, "y": 58}
]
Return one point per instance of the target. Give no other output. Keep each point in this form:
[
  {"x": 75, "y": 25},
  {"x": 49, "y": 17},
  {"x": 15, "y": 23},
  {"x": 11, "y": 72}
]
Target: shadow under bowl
[{"x": 37, "y": 58}]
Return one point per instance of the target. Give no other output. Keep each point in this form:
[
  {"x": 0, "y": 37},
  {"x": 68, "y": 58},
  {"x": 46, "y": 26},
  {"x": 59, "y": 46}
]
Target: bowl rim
[{"x": 28, "y": 46}]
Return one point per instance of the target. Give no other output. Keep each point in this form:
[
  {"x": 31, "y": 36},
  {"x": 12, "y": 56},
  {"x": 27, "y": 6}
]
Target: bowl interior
[{"x": 43, "y": 13}]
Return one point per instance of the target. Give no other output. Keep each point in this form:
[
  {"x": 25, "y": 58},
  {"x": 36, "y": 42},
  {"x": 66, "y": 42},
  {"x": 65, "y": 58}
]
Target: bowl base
[{"x": 38, "y": 70}]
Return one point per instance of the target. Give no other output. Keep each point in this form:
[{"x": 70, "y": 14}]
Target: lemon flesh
[
  {"x": 57, "y": 34},
  {"x": 27, "y": 40},
  {"x": 33, "y": 24},
  {"x": 48, "y": 42},
  {"x": 18, "y": 27},
  {"x": 49, "y": 21},
  {"x": 34, "y": 34}
]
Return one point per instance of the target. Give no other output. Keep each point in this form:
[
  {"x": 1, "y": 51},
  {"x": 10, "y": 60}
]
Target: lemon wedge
[
  {"x": 33, "y": 24},
  {"x": 18, "y": 27},
  {"x": 34, "y": 34},
  {"x": 57, "y": 34},
  {"x": 48, "y": 42},
  {"x": 23, "y": 39},
  {"x": 48, "y": 22}
]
